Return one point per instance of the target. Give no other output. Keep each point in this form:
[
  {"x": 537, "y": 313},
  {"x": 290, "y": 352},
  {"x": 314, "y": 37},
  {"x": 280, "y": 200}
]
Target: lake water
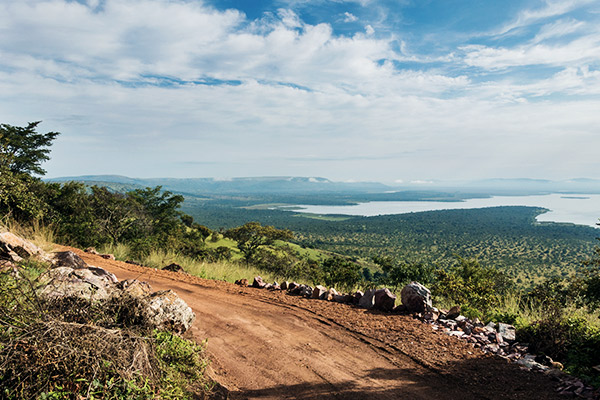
[{"x": 581, "y": 209}]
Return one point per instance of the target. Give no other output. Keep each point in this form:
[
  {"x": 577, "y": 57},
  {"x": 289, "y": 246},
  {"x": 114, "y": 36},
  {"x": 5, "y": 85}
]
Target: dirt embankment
[{"x": 270, "y": 345}]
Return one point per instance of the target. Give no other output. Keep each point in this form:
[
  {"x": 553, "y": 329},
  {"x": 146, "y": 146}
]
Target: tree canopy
[
  {"x": 23, "y": 149},
  {"x": 252, "y": 235}
]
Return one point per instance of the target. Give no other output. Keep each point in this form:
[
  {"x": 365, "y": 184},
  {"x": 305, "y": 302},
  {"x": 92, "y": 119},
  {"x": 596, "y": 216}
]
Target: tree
[
  {"x": 24, "y": 149},
  {"x": 341, "y": 273},
  {"x": 252, "y": 235}
]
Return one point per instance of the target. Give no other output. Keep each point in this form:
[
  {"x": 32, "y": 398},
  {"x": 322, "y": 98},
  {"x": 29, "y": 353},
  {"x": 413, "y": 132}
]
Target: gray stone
[
  {"x": 508, "y": 332},
  {"x": 341, "y": 298},
  {"x": 453, "y": 313},
  {"x": 85, "y": 283},
  {"x": 384, "y": 300},
  {"x": 367, "y": 300},
  {"x": 258, "y": 283},
  {"x": 318, "y": 292},
  {"x": 331, "y": 293},
  {"x": 433, "y": 314},
  {"x": 357, "y": 296},
  {"x": 166, "y": 310},
  {"x": 15, "y": 249},
  {"x": 134, "y": 288},
  {"x": 529, "y": 362},
  {"x": 69, "y": 259},
  {"x": 173, "y": 268},
  {"x": 306, "y": 291},
  {"x": 416, "y": 297}
]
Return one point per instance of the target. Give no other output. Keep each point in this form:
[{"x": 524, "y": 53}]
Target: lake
[{"x": 581, "y": 209}]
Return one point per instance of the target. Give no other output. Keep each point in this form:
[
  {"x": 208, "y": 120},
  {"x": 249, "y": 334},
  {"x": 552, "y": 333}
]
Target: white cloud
[
  {"x": 349, "y": 17},
  {"x": 559, "y": 29},
  {"x": 550, "y": 9},
  {"x": 582, "y": 50},
  {"x": 95, "y": 75}
]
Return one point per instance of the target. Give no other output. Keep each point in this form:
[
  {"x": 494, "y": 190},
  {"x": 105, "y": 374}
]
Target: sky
[{"x": 395, "y": 91}]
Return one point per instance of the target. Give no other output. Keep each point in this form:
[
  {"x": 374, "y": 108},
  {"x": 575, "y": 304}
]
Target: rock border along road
[{"x": 270, "y": 345}]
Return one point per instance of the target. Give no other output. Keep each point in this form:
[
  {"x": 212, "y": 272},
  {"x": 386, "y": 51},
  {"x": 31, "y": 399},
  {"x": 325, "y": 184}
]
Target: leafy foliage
[
  {"x": 72, "y": 348},
  {"x": 24, "y": 149},
  {"x": 472, "y": 286},
  {"x": 341, "y": 273},
  {"x": 252, "y": 235}
]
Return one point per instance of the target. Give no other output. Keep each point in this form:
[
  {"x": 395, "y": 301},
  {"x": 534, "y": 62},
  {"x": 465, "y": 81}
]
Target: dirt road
[{"x": 270, "y": 345}]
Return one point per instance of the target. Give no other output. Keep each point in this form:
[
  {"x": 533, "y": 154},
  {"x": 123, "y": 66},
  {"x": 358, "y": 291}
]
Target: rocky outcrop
[
  {"x": 330, "y": 295},
  {"x": 72, "y": 278},
  {"x": 85, "y": 283},
  {"x": 258, "y": 283},
  {"x": 367, "y": 300},
  {"x": 384, "y": 300},
  {"x": 15, "y": 249},
  {"x": 162, "y": 310},
  {"x": 68, "y": 259},
  {"x": 416, "y": 297},
  {"x": 173, "y": 268},
  {"x": 166, "y": 310},
  {"x": 318, "y": 292}
]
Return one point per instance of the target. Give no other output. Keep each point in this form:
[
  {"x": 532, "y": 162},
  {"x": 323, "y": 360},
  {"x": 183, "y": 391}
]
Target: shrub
[
  {"x": 71, "y": 348},
  {"x": 570, "y": 340}
]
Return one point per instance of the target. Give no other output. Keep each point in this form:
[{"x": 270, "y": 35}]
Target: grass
[
  {"x": 73, "y": 348},
  {"x": 229, "y": 271},
  {"x": 43, "y": 236}
]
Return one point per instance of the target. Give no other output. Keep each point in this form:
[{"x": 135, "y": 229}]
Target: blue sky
[{"x": 391, "y": 91}]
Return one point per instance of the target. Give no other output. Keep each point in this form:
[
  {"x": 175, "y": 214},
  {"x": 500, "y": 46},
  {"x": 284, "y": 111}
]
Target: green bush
[
  {"x": 473, "y": 286},
  {"x": 69, "y": 348},
  {"x": 569, "y": 340}
]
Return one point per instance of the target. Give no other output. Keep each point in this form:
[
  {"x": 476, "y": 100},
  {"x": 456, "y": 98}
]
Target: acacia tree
[
  {"x": 252, "y": 235},
  {"x": 25, "y": 149},
  {"x": 22, "y": 150}
]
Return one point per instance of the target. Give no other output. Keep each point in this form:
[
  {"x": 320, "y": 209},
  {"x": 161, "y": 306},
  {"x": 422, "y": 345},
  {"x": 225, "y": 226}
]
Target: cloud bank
[{"x": 187, "y": 89}]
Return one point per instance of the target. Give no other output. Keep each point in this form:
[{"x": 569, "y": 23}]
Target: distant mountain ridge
[
  {"x": 251, "y": 185},
  {"x": 307, "y": 185}
]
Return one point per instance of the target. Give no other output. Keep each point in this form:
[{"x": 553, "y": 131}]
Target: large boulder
[
  {"x": 166, "y": 310},
  {"x": 416, "y": 297},
  {"x": 14, "y": 248},
  {"x": 330, "y": 295},
  {"x": 68, "y": 259},
  {"x": 453, "y": 313},
  {"x": 173, "y": 267},
  {"x": 134, "y": 288},
  {"x": 384, "y": 300},
  {"x": 367, "y": 300},
  {"x": 258, "y": 283},
  {"x": 507, "y": 332},
  {"x": 86, "y": 283},
  {"x": 356, "y": 297},
  {"x": 318, "y": 292}
]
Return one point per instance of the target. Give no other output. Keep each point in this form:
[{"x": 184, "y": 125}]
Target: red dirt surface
[{"x": 270, "y": 345}]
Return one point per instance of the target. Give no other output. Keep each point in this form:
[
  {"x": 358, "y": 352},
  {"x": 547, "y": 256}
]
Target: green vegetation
[
  {"x": 71, "y": 348},
  {"x": 497, "y": 263},
  {"x": 505, "y": 238}
]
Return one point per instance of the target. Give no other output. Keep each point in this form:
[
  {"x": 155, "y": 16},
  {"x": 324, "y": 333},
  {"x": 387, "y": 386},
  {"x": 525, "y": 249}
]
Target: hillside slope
[{"x": 270, "y": 345}]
